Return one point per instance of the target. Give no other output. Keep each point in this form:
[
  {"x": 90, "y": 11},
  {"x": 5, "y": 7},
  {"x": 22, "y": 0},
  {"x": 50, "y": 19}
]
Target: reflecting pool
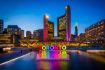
[
  {"x": 52, "y": 55},
  {"x": 58, "y": 60}
]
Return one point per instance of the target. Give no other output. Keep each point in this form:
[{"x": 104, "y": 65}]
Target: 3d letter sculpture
[{"x": 52, "y": 47}]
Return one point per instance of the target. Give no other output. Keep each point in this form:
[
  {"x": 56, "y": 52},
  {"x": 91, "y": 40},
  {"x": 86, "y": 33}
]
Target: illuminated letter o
[
  {"x": 43, "y": 47},
  {"x": 51, "y": 47},
  {"x": 63, "y": 47}
]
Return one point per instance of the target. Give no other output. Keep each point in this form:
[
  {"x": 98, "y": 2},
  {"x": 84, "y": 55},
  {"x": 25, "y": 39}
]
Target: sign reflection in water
[
  {"x": 52, "y": 65},
  {"x": 50, "y": 60},
  {"x": 52, "y": 55}
]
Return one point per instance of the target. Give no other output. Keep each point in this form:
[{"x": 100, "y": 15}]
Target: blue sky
[{"x": 28, "y": 14}]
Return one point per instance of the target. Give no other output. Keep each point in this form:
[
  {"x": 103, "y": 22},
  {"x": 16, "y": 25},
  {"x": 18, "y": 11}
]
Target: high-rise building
[
  {"x": 76, "y": 30},
  {"x": 48, "y": 33},
  {"x": 28, "y": 35},
  {"x": 38, "y": 35},
  {"x": 1, "y": 26},
  {"x": 13, "y": 29},
  {"x": 81, "y": 38},
  {"x": 5, "y": 31},
  {"x": 50, "y": 30},
  {"x": 45, "y": 33},
  {"x": 95, "y": 34},
  {"x": 35, "y": 35},
  {"x": 68, "y": 25},
  {"x": 22, "y": 34},
  {"x": 73, "y": 37},
  {"x": 64, "y": 25}
]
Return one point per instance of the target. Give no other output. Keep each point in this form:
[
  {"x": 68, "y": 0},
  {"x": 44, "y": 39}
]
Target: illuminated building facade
[
  {"x": 15, "y": 31},
  {"x": 64, "y": 25},
  {"x": 45, "y": 33},
  {"x": 73, "y": 37},
  {"x": 5, "y": 31},
  {"x": 68, "y": 25},
  {"x": 6, "y": 39},
  {"x": 48, "y": 29},
  {"x": 35, "y": 35},
  {"x": 1, "y": 26},
  {"x": 28, "y": 35},
  {"x": 38, "y": 35},
  {"x": 81, "y": 38},
  {"x": 95, "y": 34},
  {"x": 22, "y": 34},
  {"x": 57, "y": 39}
]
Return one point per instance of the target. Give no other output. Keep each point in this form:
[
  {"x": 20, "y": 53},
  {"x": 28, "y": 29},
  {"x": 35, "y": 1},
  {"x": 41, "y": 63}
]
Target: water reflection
[
  {"x": 52, "y": 60},
  {"x": 52, "y": 55},
  {"x": 58, "y": 60},
  {"x": 52, "y": 65}
]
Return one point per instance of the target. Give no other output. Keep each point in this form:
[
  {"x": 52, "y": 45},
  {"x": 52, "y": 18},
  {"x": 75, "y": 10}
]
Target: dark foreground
[{"x": 76, "y": 60}]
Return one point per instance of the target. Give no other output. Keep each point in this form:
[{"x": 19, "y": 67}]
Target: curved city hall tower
[
  {"x": 48, "y": 32},
  {"x": 64, "y": 25},
  {"x": 68, "y": 23},
  {"x": 45, "y": 28}
]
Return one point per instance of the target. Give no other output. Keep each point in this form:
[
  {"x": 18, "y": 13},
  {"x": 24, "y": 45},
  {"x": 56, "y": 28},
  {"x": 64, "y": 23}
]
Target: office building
[
  {"x": 1, "y": 26},
  {"x": 48, "y": 32},
  {"x": 22, "y": 34},
  {"x": 28, "y": 35},
  {"x": 64, "y": 25},
  {"x": 76, "y": 31},
  {"x": 95, "y": 34},
  {"x": 38, "y": 35},
  {"x": 15, "y": 31},
  {"x": 6, "y": 39}
]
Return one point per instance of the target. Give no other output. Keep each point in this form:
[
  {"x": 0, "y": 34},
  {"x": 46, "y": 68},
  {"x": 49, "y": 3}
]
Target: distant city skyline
[{"x": 28, "y": 14}]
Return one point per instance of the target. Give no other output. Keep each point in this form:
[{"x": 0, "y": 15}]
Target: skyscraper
[
  {"x": 45, "y": 33},
  {"x": 13, "y": 29},
  {"x": 22, "y": 34},
  {"x": 64, "y": 25},
  {"x": 48, "y": 33},
  {"x": 38, "y": 35},
  {"x": 50, "y": 30},
  {"x": 76, "y": 30},
  {"x": 28, "y": 35},
  {"x": 1, "y": 26},
  {"x": 68, "y": 23},
  {"x": 35, "y": 35}
]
